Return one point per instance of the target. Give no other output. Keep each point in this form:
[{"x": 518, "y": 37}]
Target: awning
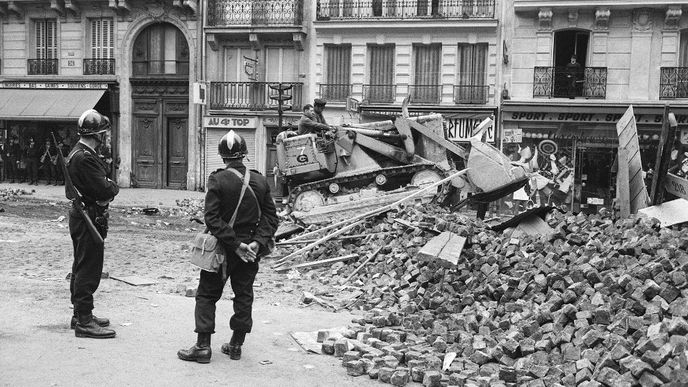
[{"x": 46, "y": 104}]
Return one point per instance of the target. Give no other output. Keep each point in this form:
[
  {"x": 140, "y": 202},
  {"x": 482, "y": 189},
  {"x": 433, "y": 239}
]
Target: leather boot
[
  {"x": 87, "y": 327},
  {"x": 101, "y": 321},
  {"x": 200, "y": 352},
  {"x": 233, "y": 348}
]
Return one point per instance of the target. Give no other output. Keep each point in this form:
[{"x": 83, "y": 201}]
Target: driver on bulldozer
[{"x": 309, "y": 123}]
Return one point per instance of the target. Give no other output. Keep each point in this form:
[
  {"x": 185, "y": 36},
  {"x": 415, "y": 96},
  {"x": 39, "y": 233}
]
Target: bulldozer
[{"x": 360, "y": 167}]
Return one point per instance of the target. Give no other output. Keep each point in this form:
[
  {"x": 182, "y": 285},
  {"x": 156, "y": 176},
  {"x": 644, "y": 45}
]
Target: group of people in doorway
[{"x": 32, "y": 161}]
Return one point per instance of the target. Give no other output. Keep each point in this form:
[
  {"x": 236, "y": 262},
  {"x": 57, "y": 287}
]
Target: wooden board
[
  {"x": 446, "y": 247},
  {"x": 669, "y": 213},
  {"x": 623, "y": 199},
  {"x": 628, "y": 140},
  {"x": 534, "y": 225},
  {"x": 318, "y": 263}
]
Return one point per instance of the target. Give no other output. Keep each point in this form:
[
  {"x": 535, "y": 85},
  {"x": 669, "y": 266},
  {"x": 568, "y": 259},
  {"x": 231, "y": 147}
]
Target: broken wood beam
[
  {"x": 318, "y": 263},
  {"x": 370, "y": 258},
  {"x": 344, "y": 237}
]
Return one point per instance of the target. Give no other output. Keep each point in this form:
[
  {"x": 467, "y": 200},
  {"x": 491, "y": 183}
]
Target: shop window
[
  {"x": 381, "y": 87},
  {"x": 470, "y": 86},
  {"x": 161, "y": 50},
  {"x": 102, "y": 44},
  {"x": 337, "y": 86},
  {"x": 426, "y": 86},
  {"x": 44, "y": 48}
]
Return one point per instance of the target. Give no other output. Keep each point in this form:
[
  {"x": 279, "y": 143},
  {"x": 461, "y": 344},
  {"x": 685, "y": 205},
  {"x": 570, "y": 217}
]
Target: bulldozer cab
[{"x": 306, "y": 156}]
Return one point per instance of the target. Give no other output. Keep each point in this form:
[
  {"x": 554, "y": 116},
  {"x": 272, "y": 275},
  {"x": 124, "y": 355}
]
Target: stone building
[
  {"x": 626, "y": 53},
  {"x": 132, "y": 60}
]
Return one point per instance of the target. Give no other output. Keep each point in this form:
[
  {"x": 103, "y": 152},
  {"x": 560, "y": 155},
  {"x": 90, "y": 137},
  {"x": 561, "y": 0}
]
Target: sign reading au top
[
  {"x": 462, "y": 129},
  {"x": 229, "y": 122}
]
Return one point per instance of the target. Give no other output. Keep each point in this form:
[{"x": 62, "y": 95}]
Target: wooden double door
[{"x": 160, "y": 133}]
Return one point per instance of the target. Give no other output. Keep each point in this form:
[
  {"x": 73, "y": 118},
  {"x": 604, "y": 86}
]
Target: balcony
[
  {"x": 379, "y": 93},
  {"x": 99, "y": 66},
  {"x": 335, "y": 92},
  {"x": 252, "y": 95},
  {"x": 425, "y": 94},
  {"x": 471, "y": 94},
  {"x": 404, "y": 9},
  {"x": 562, "y": 82},
  {"x": 673, "y": 82},
  {"x": 41, "y": 66},
  {"x": 231, "y": 13}
]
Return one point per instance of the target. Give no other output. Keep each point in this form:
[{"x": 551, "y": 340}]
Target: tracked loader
[{"x": 360, "y": 167}]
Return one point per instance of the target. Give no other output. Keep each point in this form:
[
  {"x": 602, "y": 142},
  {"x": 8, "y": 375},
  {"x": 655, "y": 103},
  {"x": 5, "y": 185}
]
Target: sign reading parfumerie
[{"x": 230, "y": 122}]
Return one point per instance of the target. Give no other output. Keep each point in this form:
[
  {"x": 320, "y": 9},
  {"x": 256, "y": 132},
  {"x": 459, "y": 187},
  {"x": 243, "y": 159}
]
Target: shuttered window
[
  {"x": 472, "y": 66},
  {"x": 337, "y": 85},
  {"x": 102, "y": 39},
  {"x": 381, "y": 86},
  {"x": 426, "y": 61},
  {"x": 46, "y": 38}
]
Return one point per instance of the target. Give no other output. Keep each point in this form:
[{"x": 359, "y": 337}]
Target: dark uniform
[
  {"x": 88, "y": 175},
  {"x": 31, "y": 158}
]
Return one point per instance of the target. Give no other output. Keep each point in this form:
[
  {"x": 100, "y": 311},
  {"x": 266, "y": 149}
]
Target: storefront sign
[
  {"x": 225, "y": 122},
  {"x": 676, "y": 186},
  {"x": 588, "y": 117},
  {"x": 462, "y": 129},
  {"x": 53, "y": 85},
  {"x": 513, "y": 135}
]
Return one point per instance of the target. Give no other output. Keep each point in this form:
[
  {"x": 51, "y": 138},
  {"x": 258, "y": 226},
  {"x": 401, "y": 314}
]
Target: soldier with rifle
[{"x": 91, "y": 191}]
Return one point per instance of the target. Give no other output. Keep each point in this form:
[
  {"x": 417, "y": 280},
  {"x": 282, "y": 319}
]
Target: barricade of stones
[{"x": 598, "y": 303}]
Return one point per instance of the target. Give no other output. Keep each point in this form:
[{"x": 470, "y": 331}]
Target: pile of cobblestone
[{"x": 9, "y": 194}]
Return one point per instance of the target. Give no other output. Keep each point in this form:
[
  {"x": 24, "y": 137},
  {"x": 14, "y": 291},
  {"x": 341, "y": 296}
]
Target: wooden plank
[
  {"x": 623, "y": 199},
  {"x": 457, "y": 150},
  {"x": 446, "y": 247},
  {"x": 345, "y": 237},
  {"x": 318, "y": 263},
  {"x": 663, "y": 157},
  {"x": 668, "y": 213},
  {"x": 628, "y": 140},
  {"x": 324, "y": 239},
  {"x": 534, "y": 225}
]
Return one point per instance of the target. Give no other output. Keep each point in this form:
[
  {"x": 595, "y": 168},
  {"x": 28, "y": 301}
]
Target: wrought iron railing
[
  {"x": 404, "y": 9},
  {"x": 222, "y": 13},
  {"x": 99, "y": 66},
  {"x": 425, "y": 94},
  {"x": 471, "y": 94},
  {"x": 41, "y": 66},
  {"x": 379, "y": 93},
  {"x": 161, "y": 67},
  {"x": 673, "y": 82},
  {"x": 567, "y": 82},
  {"x": 335, "y": 91},
  {"x": 253, "y": 95}
]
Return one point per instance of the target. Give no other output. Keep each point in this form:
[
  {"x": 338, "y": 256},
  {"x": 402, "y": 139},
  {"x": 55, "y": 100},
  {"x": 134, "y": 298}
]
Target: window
[
  {"x": 281, "y": 64},
  {"x": 426, "y": 61},
  {"x": 161, "y": 49},
  {"x": 102, "y": 47},
  {"x": 470, "y": 86},
  {"x": 381, "y": 86},
  {"x": 45, "y": 45},
  {"x": 337, "y": 86}
]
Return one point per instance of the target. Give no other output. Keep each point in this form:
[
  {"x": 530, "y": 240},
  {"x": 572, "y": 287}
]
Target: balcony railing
[
  {"x": 563, "y": 82},
  {"x": 41, "y": 66},
  {"x": 223, "y": 13},
  {"x": 379, "y": 93},
  {"x": 471, "y": 94},
  {"x": 425, "y": 94},
  {"x": 337, "y": 92},
  {"x": 673, "y": 82},
  {"x": 99, "y": 66},
  {"x": 404, "y": 9},
  {"x": 253, "y": 95}
]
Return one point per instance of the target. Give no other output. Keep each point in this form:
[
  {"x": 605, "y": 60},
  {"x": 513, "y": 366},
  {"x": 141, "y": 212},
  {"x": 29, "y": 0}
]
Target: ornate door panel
[
  {"x": 146, "y": 168},
  {"x": 176, "y": 152}
]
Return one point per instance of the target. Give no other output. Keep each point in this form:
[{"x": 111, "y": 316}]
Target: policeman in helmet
[
  {"x": 244, "y": 241},
  {"x": 88, "y": 174}
]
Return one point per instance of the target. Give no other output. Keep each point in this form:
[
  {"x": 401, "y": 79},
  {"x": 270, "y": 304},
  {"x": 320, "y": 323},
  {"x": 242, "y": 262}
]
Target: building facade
[
  {"x": 625, "y": 53},
  {"x": 131, "y": 60},
  {"x": 256, "y": 62},
  {"x": 444, "y": 55}
]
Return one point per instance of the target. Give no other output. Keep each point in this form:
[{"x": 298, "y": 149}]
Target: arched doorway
[{"x": 160, "y": 112}]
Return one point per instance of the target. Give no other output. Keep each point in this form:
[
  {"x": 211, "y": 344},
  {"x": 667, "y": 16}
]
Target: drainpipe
[{"x": 202, "y": 72}]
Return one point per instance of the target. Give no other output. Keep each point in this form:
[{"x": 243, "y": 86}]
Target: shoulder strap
[{"x": 247, "y": 178}]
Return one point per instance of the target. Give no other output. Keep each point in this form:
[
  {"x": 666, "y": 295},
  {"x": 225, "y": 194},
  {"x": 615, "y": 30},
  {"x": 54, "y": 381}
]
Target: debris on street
[
  {"x": 594, "y": 302},
  {"x": 13, "y": 194}
]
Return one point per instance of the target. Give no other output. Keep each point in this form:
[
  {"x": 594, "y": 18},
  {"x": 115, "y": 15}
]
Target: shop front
[
  {"x": 573, "y": 150},
  {"x": 35, "y": 111}
]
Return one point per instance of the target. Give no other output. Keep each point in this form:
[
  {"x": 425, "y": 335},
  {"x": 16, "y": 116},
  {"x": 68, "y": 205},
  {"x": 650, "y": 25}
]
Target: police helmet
[
  {"x": 91, "y": 123},
  {"x": 232, "y": 146}
]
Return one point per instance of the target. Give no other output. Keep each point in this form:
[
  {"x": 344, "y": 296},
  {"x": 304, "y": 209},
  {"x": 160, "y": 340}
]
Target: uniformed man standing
[
  {"x": 244, "y": 244},
  {"x": 318, "y": 107},
  {"x": 88, "y": 174}
]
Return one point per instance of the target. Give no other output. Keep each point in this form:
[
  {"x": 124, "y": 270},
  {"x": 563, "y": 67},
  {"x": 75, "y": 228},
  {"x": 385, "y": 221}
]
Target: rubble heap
[
  {"x": 597, "y": 303},
  {"x": 7, "y": 194}
]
